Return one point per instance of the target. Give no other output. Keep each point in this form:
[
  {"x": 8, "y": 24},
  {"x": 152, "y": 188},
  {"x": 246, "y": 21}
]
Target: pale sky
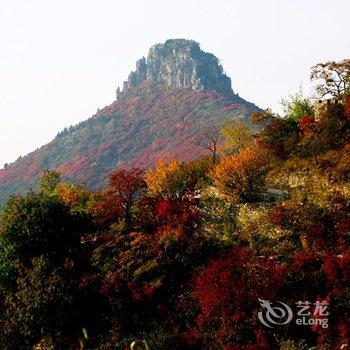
[{"x": 61, "y": 60}]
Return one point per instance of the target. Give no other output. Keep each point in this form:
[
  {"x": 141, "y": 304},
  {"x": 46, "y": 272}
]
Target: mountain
[
  {"x": 172, "y": 96},
  {"x": 181, "y": 63}
]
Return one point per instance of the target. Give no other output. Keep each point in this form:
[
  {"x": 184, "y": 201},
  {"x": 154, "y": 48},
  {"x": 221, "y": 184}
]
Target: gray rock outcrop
[{"x": 180, "y": 63}]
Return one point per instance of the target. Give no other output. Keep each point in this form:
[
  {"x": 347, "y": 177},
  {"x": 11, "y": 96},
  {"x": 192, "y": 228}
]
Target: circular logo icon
[
  {"x": 139, "y": 345},
  {"x": 274, "y": 315}
]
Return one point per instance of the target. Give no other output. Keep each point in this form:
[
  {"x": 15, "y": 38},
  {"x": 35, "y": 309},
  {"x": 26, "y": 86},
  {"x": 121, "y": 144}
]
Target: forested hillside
[{"x": 148, "y": 123}]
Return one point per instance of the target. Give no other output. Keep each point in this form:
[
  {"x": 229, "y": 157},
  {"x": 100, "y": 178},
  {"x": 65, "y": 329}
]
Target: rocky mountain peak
[{"x": 180, "y": 63}]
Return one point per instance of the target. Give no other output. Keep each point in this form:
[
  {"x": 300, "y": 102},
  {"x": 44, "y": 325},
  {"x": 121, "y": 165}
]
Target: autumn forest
[{"x": 178, "y": 255}]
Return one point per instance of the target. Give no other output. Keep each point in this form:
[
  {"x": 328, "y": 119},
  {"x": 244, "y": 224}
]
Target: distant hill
[{"x": 163, "y": 106}]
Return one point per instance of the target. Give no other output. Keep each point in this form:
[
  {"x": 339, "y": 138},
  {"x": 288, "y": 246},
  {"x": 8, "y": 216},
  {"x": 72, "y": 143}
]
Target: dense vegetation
[
  {"x": 147, "y": 123},
  {"x": 178, "y": 257}
]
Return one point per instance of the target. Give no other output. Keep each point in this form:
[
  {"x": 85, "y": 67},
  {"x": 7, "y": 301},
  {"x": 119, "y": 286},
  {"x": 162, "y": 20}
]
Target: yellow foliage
[
  {"x": 166, "y": 180},
  {"x": 290, "y": 174},
  {"x": 238, "y": 135},
  {"x": 241, "y": 177},
  {"x": 75, "y": 197},
  {"x": 262, "y": 236},
  {"x": 319, "y": 191},
  {"x": 312, "y": 185},
  {"x": 145, "y": 268},
  {"x": 336, "y": 163}
]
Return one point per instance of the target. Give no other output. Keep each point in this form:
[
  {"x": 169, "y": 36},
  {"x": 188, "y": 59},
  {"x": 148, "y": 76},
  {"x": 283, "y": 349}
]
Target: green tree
[
  {"x": 49, "y": 181},
  {"x": 297, "y": 106},
  {"x": 42, "y": 307},
  {"x": 40, "y": 245}
]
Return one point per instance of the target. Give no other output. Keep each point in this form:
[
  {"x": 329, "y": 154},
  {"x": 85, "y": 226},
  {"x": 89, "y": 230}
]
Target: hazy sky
[{"x": 61, "y": 60}]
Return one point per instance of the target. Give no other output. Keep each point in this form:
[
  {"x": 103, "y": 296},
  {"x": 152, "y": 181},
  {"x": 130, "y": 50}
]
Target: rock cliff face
[{"x": 180, "y": 63}]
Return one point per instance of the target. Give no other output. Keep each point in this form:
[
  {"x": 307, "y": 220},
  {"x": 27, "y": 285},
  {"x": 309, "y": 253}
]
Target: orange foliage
[
  {"x": 125, "y": 188},
  {"x": 166, "y": 180},
  {"x": 241, "y": 176}
]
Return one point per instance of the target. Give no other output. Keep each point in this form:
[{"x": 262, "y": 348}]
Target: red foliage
[
  {"x": 337, "y": 269},
  {"x": 347, "y": 106},
  {"x": 343, "y": 226},
  {"x": 136, "y": 293},
  {"x": 227, "y": 293},
  {"x": 148, "y": 291},
  {"x": 191, "y": 336},
  {"x": 126, "y": 185},
  {"x": 125, "y": 188},
  {"x": 304, "y": 260},
  {"x": 177, "y": 216},
  {"x": 106, "y": 208},
  {"x": 166, "y": 208},
  {"x": 306, "y": 123}
]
